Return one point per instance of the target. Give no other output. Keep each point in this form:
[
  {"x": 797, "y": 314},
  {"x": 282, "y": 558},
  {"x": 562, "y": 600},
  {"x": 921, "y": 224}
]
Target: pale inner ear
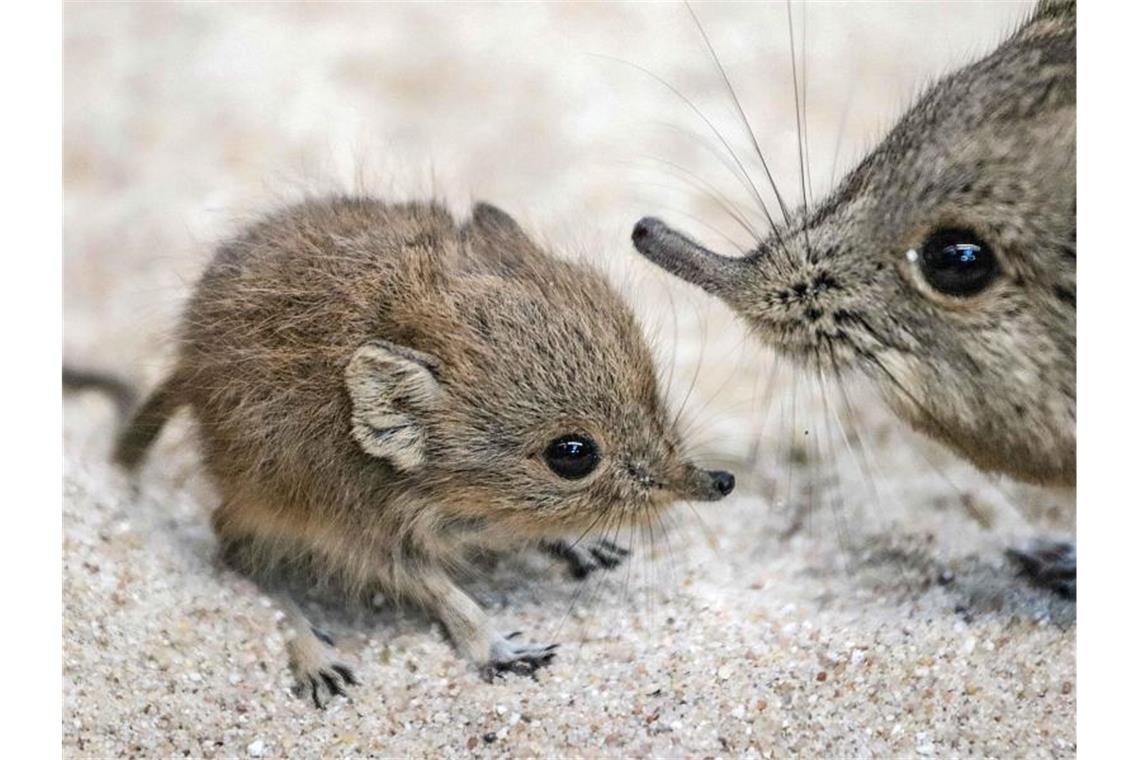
[{"x": 391, "y": 387}]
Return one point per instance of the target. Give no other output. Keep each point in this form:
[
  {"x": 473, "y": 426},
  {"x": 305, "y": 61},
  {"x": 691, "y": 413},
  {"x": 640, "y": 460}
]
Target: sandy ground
[{"x": 850, "y": 600}]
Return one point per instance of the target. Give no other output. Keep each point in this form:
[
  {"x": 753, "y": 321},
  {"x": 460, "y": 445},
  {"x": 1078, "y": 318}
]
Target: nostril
[
  {"x": 641, "y": 230},
  {"x": 723, "y": 481}
]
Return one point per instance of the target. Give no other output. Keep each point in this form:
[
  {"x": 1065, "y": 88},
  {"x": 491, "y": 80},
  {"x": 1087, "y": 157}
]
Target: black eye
[
  {"x": 572, "y": 456},
  {"x": 956, "y": 262}
]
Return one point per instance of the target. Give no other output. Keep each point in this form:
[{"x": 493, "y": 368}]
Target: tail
[
  {"x": 139, "y": 426},
  {"x": 146, "y": 423},
  {"x": 120, "y": 392}
]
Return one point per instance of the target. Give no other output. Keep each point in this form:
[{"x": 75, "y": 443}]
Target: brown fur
[
  {"x": 990, "y": 148},
  {"x": 375, "y": 386}
]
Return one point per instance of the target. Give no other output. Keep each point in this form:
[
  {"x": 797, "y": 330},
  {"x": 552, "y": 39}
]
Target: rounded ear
[
  {"x": 497, "y": 239},
  {"x": 491, "y": 220},
  {"x": 391, "y": 386}
]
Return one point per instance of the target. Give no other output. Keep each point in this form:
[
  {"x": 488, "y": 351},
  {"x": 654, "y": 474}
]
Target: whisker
[
  {"x": 700, "y": 222},
  {"x": 835, "y": 500},
  {"x": 607, "y": 515},
  {"x": 589, "y": 528},
  {"x": 699, "y": 183},
  {"x": 766, "y": 405},
  {"x": 706, "y": 529},
  {"x": 931, "y": 419},
  {"x": 650, "y": 560},
  {"x": 727, "y": 162},
  {"x": 840, "y": 131},
  {"x": 799, "y": 127},
  {"x": 610, "y": 531},
  {"x": 797, "y": 522},
  {"x": 670, "y": 555},
  {"x": 803, "y": 97},
  {"x": 811, "y": 455},
  {"x": 676, "y": 341},
  {"x": 708, "y": 122},
  {"x": 696, "y": 373},
  {"x": 861, "y": 457},
  {"x": 741, "y": 113},
  {"x": 729, "y": 378}
]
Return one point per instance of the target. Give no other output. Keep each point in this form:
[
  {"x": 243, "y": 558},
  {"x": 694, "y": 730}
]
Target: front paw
[
  {"x": 1052, "y": 564},
  {"x": 320, "y": 676},
  {"x": 511, "y": 656},
  {"x": 584, "y": 559}
]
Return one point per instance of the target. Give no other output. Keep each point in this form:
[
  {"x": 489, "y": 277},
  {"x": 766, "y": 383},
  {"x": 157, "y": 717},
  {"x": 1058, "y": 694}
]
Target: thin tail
[
  {"x": 119, "y": 390},
  {"x": 138, "y": 425},
  {"x": 146, "y": 423}
]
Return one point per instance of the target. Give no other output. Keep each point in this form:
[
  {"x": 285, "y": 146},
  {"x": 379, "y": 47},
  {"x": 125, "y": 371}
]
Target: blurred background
[{"x": 183, "y": 121}]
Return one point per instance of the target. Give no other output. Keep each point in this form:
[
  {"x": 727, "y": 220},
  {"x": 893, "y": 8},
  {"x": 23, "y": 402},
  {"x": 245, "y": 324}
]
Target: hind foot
[
  {"x": 584, "y": 559},
  {"x": 1052, "y": 564},
  {"x": 511, "y": 656}
]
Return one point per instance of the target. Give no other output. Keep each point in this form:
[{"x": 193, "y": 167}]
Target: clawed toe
[
  {"x": 608, "y": 554},
  {"x": 584, "y": 559},
  {"x": 346, "y": 673},
  {"x": 317, "y": 670},
  {"x": 521, "y": 659},
  {"x": 1052, "y": 564},
  {"x": 331, "y": 681}
]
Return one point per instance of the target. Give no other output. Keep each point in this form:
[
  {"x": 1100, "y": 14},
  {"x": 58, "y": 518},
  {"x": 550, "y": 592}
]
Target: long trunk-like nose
[{"x": 687, "y": 259}]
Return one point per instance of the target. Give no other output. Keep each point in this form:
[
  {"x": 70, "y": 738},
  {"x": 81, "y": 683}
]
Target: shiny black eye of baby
[
  {"x": 572, "y": 456},
  {"x": 956, "y": 262}
]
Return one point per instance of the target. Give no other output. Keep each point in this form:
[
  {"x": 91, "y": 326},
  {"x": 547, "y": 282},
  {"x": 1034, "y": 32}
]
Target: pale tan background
[{"x": 850, "y": 600}]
